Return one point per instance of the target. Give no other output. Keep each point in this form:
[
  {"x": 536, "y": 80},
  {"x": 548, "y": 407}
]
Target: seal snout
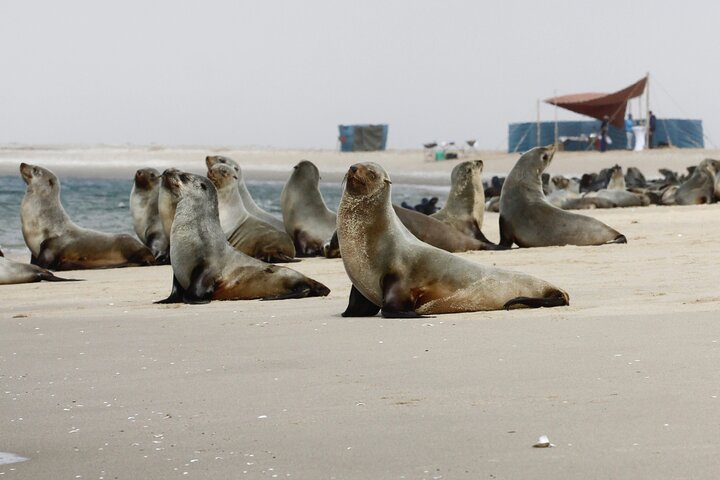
[{"x": 26, "y": 172}]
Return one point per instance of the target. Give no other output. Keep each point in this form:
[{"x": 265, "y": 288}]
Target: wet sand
[{"x": 98, "y": 382}]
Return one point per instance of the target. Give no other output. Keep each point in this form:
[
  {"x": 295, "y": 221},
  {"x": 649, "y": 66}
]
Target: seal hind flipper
[
  {"x": 558, "y": 300},
  {"x": 397, "y": 303},
  {"x": 359, "y": 305},
  {"x": 176, "y": 294},
  {"x": 618, "y": 239},
  {"x": 50, "y": 277}
]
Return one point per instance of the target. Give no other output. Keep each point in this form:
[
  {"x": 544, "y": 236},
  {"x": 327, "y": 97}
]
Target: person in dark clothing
[
  {"x": 604, "y": 133},
  {"x": 653, "y": 124}
]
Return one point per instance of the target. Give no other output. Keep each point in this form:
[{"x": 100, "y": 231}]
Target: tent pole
[
  {"x": 555, "y": 143},
  {"x": 537, "y": 127},
  {"x": 647, "y": 111}
]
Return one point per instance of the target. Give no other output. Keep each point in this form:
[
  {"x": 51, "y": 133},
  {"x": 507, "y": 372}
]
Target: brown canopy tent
[{"x": 597, "y": 105}]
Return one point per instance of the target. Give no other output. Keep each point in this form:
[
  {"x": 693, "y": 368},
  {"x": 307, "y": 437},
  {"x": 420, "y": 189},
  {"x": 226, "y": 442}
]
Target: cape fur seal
[
  {"x": 12, "y": 272},
  {"x": 167, "y": 202},
  {"x": 529, "y": 220},
  {"x": 247, "y": 199},
  {"x": 244, "y": 231},
  {"x": 57, "y": 243},
  {"x": 465, "y": 206},
  {"x": 205, "y": 266},
  {"x": 146, "y": 216},
  {"x": 393, "y": 271},
  {"x": 307, "y": 219},
  {"x": 700, "y": 187}
]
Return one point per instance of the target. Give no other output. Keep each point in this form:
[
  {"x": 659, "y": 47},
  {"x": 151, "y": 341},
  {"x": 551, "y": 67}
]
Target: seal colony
[{"x": 393, "y": 272}]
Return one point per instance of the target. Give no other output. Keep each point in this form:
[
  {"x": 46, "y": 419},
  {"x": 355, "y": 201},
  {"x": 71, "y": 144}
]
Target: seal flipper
[
  {"x": 619, "y": 239},
  {"x": 397, "y": 303},
  {"x": 559, "y": 300},
  {"x": 506, "y": 240},
  {"x": 176, "y": 294},
  {"x": 202, "y": 285},
  {"x": 359, "y": 305}
]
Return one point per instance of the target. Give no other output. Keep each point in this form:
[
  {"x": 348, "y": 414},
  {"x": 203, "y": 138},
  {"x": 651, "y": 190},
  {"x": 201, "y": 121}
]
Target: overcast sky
[{"x": 286, "y": 73}]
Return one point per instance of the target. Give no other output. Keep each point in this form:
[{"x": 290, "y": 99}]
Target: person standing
[
  {"x": 629, "y": 131},
  {"x": 653, "y": 124},
  {"x": 604, "y": 133}
]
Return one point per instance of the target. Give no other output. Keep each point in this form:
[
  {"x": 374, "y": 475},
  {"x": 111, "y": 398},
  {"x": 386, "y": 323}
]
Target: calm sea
[{"x": 102, "y": 204}]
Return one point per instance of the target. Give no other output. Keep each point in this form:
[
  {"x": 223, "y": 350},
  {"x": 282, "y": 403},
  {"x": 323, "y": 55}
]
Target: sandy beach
[{"x": 97, "y": 382}]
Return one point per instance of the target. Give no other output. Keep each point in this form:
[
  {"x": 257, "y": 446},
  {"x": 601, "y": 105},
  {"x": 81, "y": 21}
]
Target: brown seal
[
  {"x": 57, "y": 243},
  {"x": 700, "y": 187},
  {"x": 529, "y": 220},
  {"x": 244, "y": 231},
  {"x": 12, "y": 272},
  {"x": 393, "y": 271},
  {"x": 205, "y": 266},
  {"x": 464, "y": 208},
  {"x": 307, "y": 219},
  {"x": 247, "y": 199},
  {"x": 146, "y": 216}
]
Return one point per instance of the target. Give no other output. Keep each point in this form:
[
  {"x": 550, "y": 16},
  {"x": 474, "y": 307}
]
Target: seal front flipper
[
  {"x": 397, "y": 302},
  {"x": 176, "y": 295},
  {"x": 558, "y": 299},
  {"x": 202, "y": 285},
  {"x": 359, "y": 305},
  {"x": 506, "y": 239}
]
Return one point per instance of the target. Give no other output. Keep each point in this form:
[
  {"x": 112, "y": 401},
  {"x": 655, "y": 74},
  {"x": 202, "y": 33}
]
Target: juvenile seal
[
  {"x": 393, "y": 271},
  {"x": 247, "y": 199},
  {"x": 205, "y": 266},
  {"x": 12, "y": 272},
  {"x": 57, "y": 243},
  {"x": 464, "y": 208},
  {"x": 244, "y": 231},
  {"x": 307, "y": 219},
  {"x": 529, "y": 220},
  {"x": 146, "y": 216}
]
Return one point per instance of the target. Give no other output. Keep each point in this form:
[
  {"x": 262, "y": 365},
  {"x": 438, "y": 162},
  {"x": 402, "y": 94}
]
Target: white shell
[{"x": 543, "y": 442}]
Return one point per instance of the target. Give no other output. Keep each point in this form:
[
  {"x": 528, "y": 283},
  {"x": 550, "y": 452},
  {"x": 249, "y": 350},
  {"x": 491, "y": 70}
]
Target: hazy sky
[{"x": 286, "y": 73}]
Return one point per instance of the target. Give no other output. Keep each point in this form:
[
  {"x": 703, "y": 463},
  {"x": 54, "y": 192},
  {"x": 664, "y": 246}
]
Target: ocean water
[{"x": 102, "y": 203}]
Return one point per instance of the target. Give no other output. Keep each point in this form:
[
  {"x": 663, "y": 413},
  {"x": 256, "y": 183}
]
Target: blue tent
[
  {"x": 580, "y": 135},
  {"x": 363, "y": 138}
]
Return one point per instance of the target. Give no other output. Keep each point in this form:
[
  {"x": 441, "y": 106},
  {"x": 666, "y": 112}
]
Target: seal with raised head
[
  {"x": 464, "y": 208},
  {"x": 57, "y": 243},
  {"x": 244, "y": 231},
  {"x": 205, "y": 266},
  {"x": 700, "y": 187},
  {"x": 307, "y": 219},
  {"x": 394, "y": 272},
  {"x": 146, "y": 216},
  {"x": 529, "y": 220},
  {"x": 247, "y": 199},
  {"x": 167, "y": 202}
]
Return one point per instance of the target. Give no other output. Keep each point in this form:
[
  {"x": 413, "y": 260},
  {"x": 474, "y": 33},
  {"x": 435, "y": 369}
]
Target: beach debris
[{"x": 543, "y": 442}]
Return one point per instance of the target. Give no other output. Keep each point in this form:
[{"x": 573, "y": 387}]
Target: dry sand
[{"x": 98, "y": 382}]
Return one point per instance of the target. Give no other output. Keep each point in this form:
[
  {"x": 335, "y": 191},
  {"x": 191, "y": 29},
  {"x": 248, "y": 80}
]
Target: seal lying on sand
[
  {"x": 244, "y": 231},
  {"x": 145, "y": 214},
  {"x": 307, "y": 219},
  {"x": 465, "y": 206},
  {"x": 247, "y": 199},
  {"x": 205, "y": 266},
  {"x": 700, "y": 187},
  {"x": 57, "y": 243},
  {"x": 529, "y": 220},
  {"x": 15, "y": 272},
  {"x": 393, "y": 271}
]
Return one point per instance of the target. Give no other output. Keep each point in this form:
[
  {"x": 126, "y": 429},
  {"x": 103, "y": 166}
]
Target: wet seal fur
[
  {"x": 307, "y": 219},
  {"x": 146, "y": 216},
  {"x": 244, "y": 231},
  {"x": 247, "y": 199},
  {"x": 528, "y": 219},
  {"x": 56, "y": 243},
  {"x": 205, "y": 266},
  {"x": 394, "y": 272}
]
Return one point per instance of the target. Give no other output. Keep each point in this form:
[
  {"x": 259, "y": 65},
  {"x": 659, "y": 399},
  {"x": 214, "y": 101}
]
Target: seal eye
[
  {"x": 545, "y": 157},
  {"x": 203, "y": 186}
]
